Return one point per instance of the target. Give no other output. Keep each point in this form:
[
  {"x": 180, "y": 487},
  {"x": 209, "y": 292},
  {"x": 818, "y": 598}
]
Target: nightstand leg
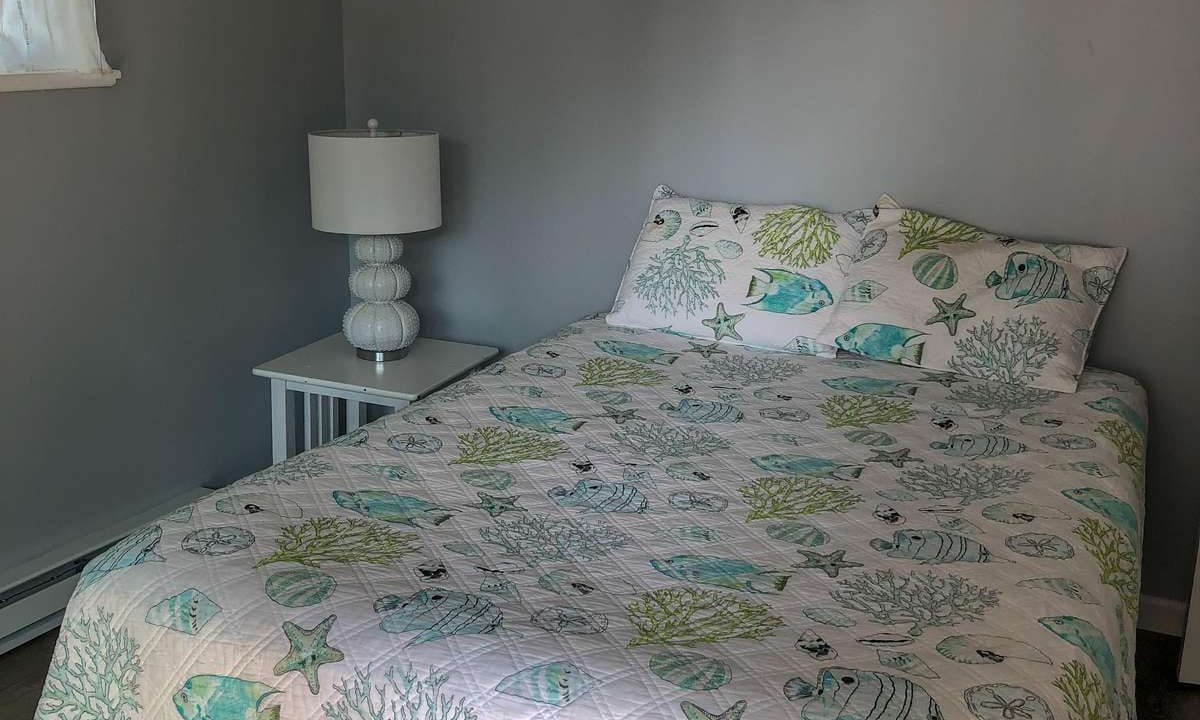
[
  {"x": 283, "y": 441},
  {"x": 310, "y": 400}
]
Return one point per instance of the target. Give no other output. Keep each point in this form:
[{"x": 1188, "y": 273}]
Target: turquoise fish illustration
[
  {"x": 390, "y": 507},
  {"x": 637, "y": 352},
  {"x": 188, "y": 612},
  {"x": 873, "y": 386},
  {"x": 543, "y": 420},
  {"x": 134, "y": 549},
  {"x": 209, "y": 697},
  {"x": 1030, "y": 278},
  {"x": 844, "y": 693},
  {"x": 1116, "y": 511},
  {"x": 1088, "y": 638},
  {"x": 598, "y": 496},
  {"x": 702, "y": 411},
  {"x": 1120, "y": 408},
  {"x": 557, "y": 683},
  {"x": 438, "y": 613},
  {"x": 932, "y": 547},
  {"x": 787, "y": 292},
  {"x": 979, "y": 445},
  {"x": 723, "y": 572},
  {"x": 808, "y": 466},
  {"x": 883, "y": 342}
]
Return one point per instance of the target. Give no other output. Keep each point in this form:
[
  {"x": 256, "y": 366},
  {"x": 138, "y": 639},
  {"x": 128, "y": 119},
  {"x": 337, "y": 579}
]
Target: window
[{"x": 50, "y": 44}]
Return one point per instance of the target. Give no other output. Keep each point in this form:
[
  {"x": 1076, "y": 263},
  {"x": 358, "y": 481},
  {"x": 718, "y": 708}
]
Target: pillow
[
  {"x": 758, "y": 275},
  {"x": 942, "y": 294}
]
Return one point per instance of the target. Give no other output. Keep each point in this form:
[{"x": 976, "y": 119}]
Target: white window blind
[{"x": 46, "y": 44}]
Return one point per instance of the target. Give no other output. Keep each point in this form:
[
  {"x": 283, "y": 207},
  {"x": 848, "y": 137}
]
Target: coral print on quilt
[
  {"x": 758, "y": 275},
  {"x": 617, "y": 524},
  {"x": 946, "y": 295}
]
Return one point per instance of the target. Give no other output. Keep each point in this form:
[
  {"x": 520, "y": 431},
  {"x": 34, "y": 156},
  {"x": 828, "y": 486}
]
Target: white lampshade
[{"x": 374, "y": 182}]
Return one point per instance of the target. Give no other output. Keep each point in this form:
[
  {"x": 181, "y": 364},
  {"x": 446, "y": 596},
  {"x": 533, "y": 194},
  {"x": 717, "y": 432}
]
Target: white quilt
[{"x": 631, "y": 525}]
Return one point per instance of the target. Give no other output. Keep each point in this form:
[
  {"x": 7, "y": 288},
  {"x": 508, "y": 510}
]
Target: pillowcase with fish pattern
[
  {"x": 757, "y": 275},
  {"x": 942, "y": 294}
]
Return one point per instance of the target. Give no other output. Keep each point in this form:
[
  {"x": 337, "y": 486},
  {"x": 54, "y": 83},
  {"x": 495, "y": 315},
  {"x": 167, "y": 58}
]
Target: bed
[{"x": 620, "y": 524}]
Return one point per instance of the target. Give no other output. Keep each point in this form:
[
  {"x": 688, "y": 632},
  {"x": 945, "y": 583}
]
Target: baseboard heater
[{"x": 33, "y": 595}]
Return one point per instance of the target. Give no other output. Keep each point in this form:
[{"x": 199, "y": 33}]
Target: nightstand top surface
[{"x": 332, "y": 363}]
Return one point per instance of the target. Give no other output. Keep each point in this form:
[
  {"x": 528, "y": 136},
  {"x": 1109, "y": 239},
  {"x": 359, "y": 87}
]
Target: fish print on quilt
[{"x": 617, "y": 525}]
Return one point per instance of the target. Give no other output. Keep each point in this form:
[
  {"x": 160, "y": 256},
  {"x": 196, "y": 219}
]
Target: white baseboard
[{"x": 1162, "y": 615}]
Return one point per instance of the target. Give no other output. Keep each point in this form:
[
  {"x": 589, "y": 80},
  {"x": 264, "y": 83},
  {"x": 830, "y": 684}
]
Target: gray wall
[
  {"x": 156, "y": 245},
  {"x": 1074, "y": 119}
]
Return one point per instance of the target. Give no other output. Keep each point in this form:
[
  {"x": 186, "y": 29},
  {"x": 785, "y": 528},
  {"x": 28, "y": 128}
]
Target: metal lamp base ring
[{"x": 380, "y": 355}]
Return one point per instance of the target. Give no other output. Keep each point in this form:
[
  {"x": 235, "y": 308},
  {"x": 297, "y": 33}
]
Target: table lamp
[{"x": 376, "y": 184}]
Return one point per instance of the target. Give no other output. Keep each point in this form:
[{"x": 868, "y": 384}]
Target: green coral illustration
[
  {"x": 793, "y": 497},
  {"x": 339, "y": 540},
  {"x": 1015, "y": 352},
  {"x": 491, "y": 446},
  {"x": 1084, "y": 694},
  {"x": 688, "y": 616},
  {"x": 457, "y": 391},
  {"x": 613, "y": 372},
  {"x": 679, "y": 278},
  {"x": 798, "y": 236},
  {"x": 923, "y": 231},
  {"x": 94, "y": 672},
  {"x": 1116, "y": 557},
  {"x": 1131, "y": 449},
  {"x": 862, "y": 410},
  {"x": 296, "y": 469},
  {"x": 920, "y": 600},
  {"x": 658, "y": 440},
  {"x": 397, "y": 695},
  {"x": 541, "y": 538},
  {"x": 999, "y": 396},
  {"x": 752, "y": 370},
  {"x": 965, "y": 483}
]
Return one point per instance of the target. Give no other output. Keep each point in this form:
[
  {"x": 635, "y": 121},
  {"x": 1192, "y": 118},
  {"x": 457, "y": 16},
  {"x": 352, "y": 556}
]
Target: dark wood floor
[
  {"x": 21, "y": 674},
  {"x": 1159, "y": 696}
]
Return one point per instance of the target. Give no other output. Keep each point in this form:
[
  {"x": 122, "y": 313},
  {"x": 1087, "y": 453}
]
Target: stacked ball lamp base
[{"x": 382, "y": 326}]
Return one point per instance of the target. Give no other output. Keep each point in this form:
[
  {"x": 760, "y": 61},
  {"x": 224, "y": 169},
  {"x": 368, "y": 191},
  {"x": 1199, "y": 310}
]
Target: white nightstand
[{"x": 334, "y": 381}]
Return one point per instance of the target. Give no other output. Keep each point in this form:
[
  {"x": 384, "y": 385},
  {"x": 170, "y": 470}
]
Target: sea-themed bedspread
[{"x": 618, "y": 524}]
